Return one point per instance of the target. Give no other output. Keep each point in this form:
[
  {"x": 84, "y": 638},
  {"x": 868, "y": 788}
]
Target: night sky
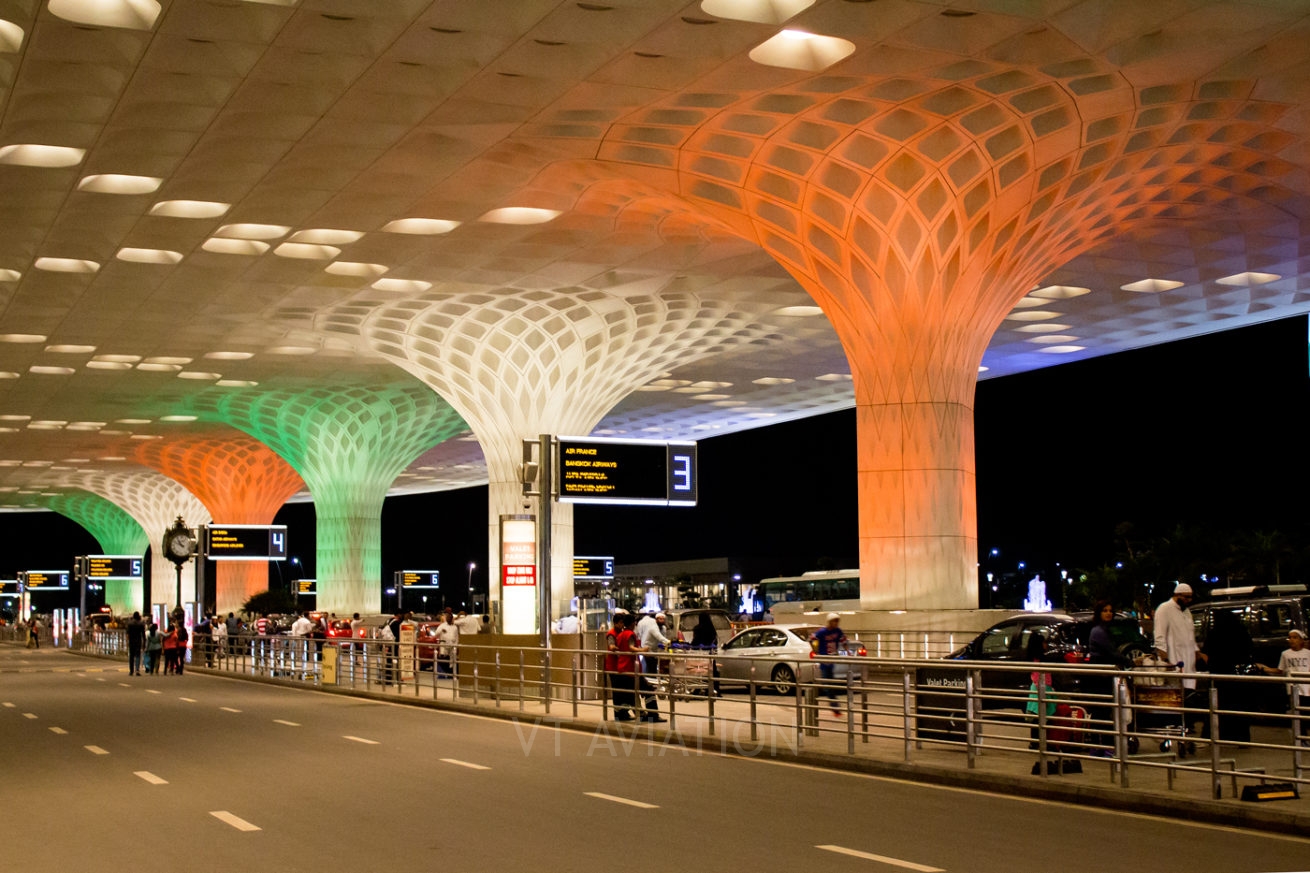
[{"x": 1210, "y": 430}]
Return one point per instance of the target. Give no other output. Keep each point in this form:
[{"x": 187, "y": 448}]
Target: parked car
[
  {"x": 1267, "y": 612},
  {"x": 685, "y": 622},
  {"x": 781, "y": 655}
]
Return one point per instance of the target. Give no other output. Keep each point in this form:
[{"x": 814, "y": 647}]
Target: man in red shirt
[{"x": 620, "y": 666}]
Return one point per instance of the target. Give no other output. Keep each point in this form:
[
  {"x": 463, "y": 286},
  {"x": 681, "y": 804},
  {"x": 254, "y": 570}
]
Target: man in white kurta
[{"x": 1175, "y": 634}]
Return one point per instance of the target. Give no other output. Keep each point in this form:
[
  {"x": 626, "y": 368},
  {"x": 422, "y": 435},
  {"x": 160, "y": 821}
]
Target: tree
[{"x": 269, "y": 603}]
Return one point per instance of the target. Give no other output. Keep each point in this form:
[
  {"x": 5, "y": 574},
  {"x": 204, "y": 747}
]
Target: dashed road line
[
  {"x": 362, "y": 740},
  {"x": 285, "y": 722},
  {"x": 95, "y": 750},
  {"x": 153, "y": 691},
  {"x": 623, "y": 800},
  {"x": 8, "y": 705},
  {"x": 882, "y": 859},
  {"x": 149, "y": 777},
  {"x": 29, "y": 715},
  {"x": 58, "y": 730},
  {"x": 188, "y": 699},
  {"x": 239, "y": 823},
  {"x": 459, "y": 763},
  {"x": 124, "y": 684},
  {"x": 228, "y": 709}
]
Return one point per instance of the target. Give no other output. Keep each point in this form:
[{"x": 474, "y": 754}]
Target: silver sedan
[{"x": 780, "y": 654}]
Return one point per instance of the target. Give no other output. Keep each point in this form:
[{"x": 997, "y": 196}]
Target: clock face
[{"x": 180, "y": 544}]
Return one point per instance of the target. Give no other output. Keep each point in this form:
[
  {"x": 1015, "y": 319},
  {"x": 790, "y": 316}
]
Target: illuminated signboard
[
  {"x": 8, "y": 587},
  {"x": 246, "y": 542},
  {"x": 518, "y": 574},
  {"x": 44, "y": 579},
  {"x": 417, "y": 578},
  {"x": 307, "y": 586},
  {"x": 642, "y": 472},
  {"x": 111, "y": 567},
  {"x": 593, "y": 568}
]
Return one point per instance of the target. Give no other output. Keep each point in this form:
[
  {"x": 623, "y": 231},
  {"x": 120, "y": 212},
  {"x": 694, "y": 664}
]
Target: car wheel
[{"x": 783, "y": 679}]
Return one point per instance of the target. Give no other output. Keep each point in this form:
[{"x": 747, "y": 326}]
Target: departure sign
[
  {"x": 307, "y": 586},
  {"x": 417, "y": 578},
  {"x": 593, "y": 568},
  {"x": 8, "y": 587},
  {"x": 246, "y": 542},
  {"x": 112, "y": 567},
  {"x": 626, "y": 471},
  {"x": 44, "y": 579}
]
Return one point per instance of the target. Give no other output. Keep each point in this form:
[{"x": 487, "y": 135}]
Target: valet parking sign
[{"x": 518, "y": 569}]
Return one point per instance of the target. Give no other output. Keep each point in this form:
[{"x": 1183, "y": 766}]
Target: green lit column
[{"x": 118, "y": 534}]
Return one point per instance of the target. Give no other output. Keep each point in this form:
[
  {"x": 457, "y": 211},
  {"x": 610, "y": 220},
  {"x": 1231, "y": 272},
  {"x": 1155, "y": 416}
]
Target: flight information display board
[
  {"x": 111, "y": 567},
  {"x": 593, "y": 568},
  {"x": 307, "y": 586},
  {"x": 246, "y": 542},
  {"x": 639, "y": 472},
  {"x": 8, "y": 587},
  {"x": 44, "y": 579},
  {"x": 417, "y": 579}
]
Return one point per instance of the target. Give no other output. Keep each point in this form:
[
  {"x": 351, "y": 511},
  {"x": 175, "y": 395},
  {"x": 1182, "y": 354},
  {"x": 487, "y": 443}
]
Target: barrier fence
[{"x": 1135, "y": 724}]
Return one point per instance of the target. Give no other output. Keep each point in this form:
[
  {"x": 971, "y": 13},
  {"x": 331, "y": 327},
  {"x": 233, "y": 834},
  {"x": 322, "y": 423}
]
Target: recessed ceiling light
[
  {"x": 9, "y": 430},
  {"x": 149, "y": 256},
  {"x": 15, "y": 418},
  {"x": 146, "y": 436},
  {"x": 798, "y": 311},
  {"x": 405, "y": 286},
  {"x": 519, "y": 215},
  {"x": 159, "y": 368},
  {"x": 1248, "y": 279},
  {"x": 35, "y": 155},
  {"x": 799, "y": 50},
  {"x": 1151, "y": 286},
  {"x": 291, "y": 350},
  {"x": 982, "y": 369},
  {"x": 708, "y": 397},
  {"x": 1061, "y": 350},
  {"x": 728, "y": 403},
  {"x": 773, "y": 380},
  {"x": 274, "y": 2},
  {"x": 833, "y": 377},
  {"x": 51, "y": 371},
  {"x": 1032, "y": 315},
  {"x": 10, "y": 275},
  {"x": 1059, "y": 292},
  {"x": 229, "y": 356},
  {"x": 190, "y": 208},
  {"x": 108, "y": 365},
  {"x": 1056, "y": 338},
  {"x": 87, "y": 425},
  {"x": 325, "y": 236},
  {"x": 66, "y": 265},
  {"x": 197, "y": 376},
  {"x": 423, "y": 226},
  {"x": 177, "y": 418},
  {"x": 167, "y": 359},
  {"x": 131, "y": 14},
  {"x": 1030, "y": 302},
  {"x": 69, "y": 349},
  {"x": 252, "y": 231},
  {"x": 111, "y": 458},
  {"x": 306, "y": 252},
  {"x": 761, "y": 11},
  {"x": 121, "y": 359},
  {"x": 351, "y": 268},
  {"x": 11, "y": 36},
  {"x": 131, "y": 421},
  {"x": 1041, "y": 328},
  {"x": 22, "y": 337},
  {"x": 117, "y": 183},
  {"x": 235, "y": 246},
  {"x": 236, "y": 383}
]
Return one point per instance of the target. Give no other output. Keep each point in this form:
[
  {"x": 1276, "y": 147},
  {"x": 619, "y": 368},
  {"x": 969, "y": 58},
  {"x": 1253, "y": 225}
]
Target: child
[{"x": 1295, "y": 659}]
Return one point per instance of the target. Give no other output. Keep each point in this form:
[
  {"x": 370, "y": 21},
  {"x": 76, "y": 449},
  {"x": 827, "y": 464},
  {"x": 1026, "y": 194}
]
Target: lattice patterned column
[
  {"x": 917, "y": 210},
  {"x": 348, "y": 444},
  {"x": 118, "y": 534},
  {"x": 153, "y": 501},
  {"x": 240, "y": 481},
  {"x": 520, "y": 362}
]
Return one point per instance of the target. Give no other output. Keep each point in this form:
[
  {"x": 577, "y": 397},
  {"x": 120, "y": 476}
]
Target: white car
[{"x": 780, "y": 653}]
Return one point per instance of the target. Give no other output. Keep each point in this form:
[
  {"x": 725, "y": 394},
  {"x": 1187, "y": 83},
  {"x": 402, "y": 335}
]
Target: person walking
[
  {"x": 1228, "y": 649},
  {"x": 828, "y": 640},
  {"x": 1101, "y": 649},
  {"x": 233, "y": 626},
  {"x": 219, "y": 630},
  {"x": 170, "y": 649},
  {"x": 154, "y": 647},
  {"x": 203, "y": 640},
  {"x": 447, "y": 635},
  {"x": 136, "y": 641},
  {"x": 182, "y": 636},
  {"x": 1175, "y": 635},
  {"x": 621, "y": 696},
  {"x": 1294, "y": 662},
  {"x": 33, "y": 632}
]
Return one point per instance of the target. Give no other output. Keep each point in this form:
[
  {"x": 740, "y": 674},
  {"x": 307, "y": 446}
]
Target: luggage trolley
[
  {"x": 689, "y": 675},
  {"x": 1158, "y": 701}
]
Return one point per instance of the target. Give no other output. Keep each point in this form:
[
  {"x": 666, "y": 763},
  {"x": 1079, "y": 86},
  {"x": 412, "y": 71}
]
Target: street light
[{"x": 472, "y": 567}]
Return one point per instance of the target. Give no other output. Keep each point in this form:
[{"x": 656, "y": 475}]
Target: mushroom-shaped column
[
  {"x": 240, "y": 481},
  {"x": 348, "y": 444},
  {"x": 154, "y": 502},
  {"x": 917, "y": 211},
  {"x": 554, "y": 358},
  {"x": 118, "y": 534}
]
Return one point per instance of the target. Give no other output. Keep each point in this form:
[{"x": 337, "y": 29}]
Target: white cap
[
  {"x": 1182, "y": 588},
  {"x": 660, "y": 615},
  {"x": 620, "y": 611},
  {"x": 1296, "y": 633},
  {"x": 834, "y": 616}
]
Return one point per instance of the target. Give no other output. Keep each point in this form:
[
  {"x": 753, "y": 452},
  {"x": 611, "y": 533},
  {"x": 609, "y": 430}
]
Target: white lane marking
[
  {"x": 285, "y": 722},
  {"x": 623, "y": 800},
  {"x": 361, "y": 740},
  {"x": 153, "y": 691},
  {"x": 8, "y": 705},
  {"x": 459, "y": 763},
  {"x": 188, "y": 699},
  {"x": 228, "y": 709},
  {"x": 58, "y": 730},
  {"x": 882, "y": 859},
  {"x": 239, "y": 823},
  {"x": 150, "y": 777},
  {"x": 29, "y": 715},
  {"x": 101, "y": 679},
  {"x": 95, "y": 750},
  {"x": 124, "y": 684}
]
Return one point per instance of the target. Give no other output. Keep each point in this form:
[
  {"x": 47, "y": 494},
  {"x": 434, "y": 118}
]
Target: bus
[{"x": 819, "y": 591}]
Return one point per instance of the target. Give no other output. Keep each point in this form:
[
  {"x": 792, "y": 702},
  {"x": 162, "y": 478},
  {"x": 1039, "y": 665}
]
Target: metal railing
[{"x": 1137, "y": 724}]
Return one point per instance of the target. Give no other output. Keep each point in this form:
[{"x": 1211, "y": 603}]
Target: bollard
[
  {"x": 1041, "y": 729},
  {"x": 850, "y": 711},
  {"x": 495, "y": 681},
  {"x": 545, "y": 685},
  {"x": 573, "y": 683}
]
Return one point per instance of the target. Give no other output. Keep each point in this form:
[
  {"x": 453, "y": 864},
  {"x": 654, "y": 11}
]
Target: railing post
[
  {"x": 1295, "y": 699},
  {"x": 755, "y": 726},
  {"x": 1217, "y": 788},
  {"x": 850, "y": 710},
  {"x": 907, "y": 705},
  {"x": 495, "y": 681},
  {"x": 1041, "y": 728},
  {"x": 969, "y": 719},
  {"x": 1121, "y": 721},
  {"x": 546, "y": 681},
  {"x": 709, "y": 691},
  {"x": 573, "y": 683},
  {"x": 521, "y": 681}
]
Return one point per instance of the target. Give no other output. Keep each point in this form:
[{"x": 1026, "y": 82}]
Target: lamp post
[{"x": 472, "y": 567}]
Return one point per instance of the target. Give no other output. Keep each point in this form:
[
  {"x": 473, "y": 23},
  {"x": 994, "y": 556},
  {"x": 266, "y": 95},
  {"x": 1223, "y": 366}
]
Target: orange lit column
[{"x": 240, "y": 481}]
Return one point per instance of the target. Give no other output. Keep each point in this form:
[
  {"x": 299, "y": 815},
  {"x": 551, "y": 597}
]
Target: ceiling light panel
[
  {"x": 519, "y": 215},
  {"x": 325, "y": 236},
  {"x": 66, "y": 265},
  {"x": 47, "y": 156},
  {"x": 306, "y": 252},
  {"x": 1059, "y": 292},
  {"x": 67, "y": 349},
  {"x": 190, "y": 208},
  {"x": 131, "y": 14},
  {"x": 799, "y": 50},
  {"x": 349, "y": 268},
  {"x": 11, "y": 36},
  {"x": 1246, "y": 279},
  {"x": 10, "y": 275},
  {"x": 424, "y": 226},
  {"x": 115, "y": 183},
  {"x": 149, "y": 256},
  {"x": 1151, "y": 286},
  {"x": 234, "y": 246},
  {"x": 252, "y": 231},
  {"x": 760, "y": 11},
  {"x": 404, "y": 286},
  {"x": 22, "y": 337}
]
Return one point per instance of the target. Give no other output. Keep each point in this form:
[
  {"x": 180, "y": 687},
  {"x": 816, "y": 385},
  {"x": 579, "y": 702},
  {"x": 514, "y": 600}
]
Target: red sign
[{"x": 519, "y": 574}]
